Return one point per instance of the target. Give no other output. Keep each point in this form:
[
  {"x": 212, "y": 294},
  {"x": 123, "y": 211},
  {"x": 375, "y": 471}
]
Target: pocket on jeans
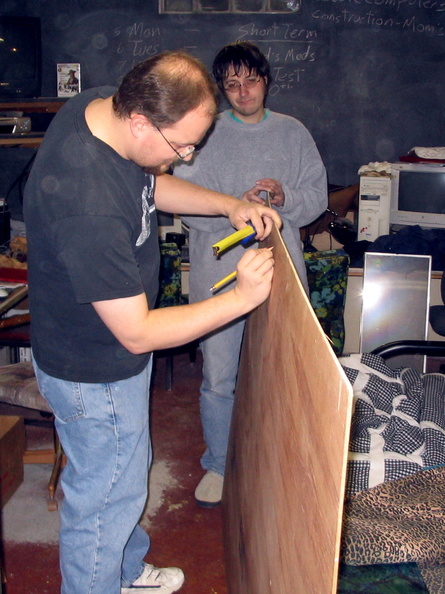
[{"x": 65, "y": 398}]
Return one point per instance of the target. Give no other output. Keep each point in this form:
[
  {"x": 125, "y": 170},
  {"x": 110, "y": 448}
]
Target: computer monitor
[{"x": 418, "y": 195}]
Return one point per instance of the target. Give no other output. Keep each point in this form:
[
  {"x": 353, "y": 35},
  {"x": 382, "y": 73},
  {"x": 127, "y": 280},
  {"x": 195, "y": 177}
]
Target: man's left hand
[
  {"x": 267, "y": 184},
  {"x": 259, "y": 216}
]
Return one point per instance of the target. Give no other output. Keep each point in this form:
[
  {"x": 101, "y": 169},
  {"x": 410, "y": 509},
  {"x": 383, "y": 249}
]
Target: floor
[{"x": 182, "y": 533}]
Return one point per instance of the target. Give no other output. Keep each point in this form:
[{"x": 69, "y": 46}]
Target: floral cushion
[
  {"x": 327, "y": 273},
  {"x": 170, "y": 292}
]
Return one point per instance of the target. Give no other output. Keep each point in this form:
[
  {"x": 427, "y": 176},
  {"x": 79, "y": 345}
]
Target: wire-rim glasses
[
  {"x": 233, "y": 86},
  {"x": 189, "y": 150}
]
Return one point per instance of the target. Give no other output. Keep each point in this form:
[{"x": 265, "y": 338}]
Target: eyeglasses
[
  {"x": 234, "y": 86},
  {"x": 189, "y": 150}
]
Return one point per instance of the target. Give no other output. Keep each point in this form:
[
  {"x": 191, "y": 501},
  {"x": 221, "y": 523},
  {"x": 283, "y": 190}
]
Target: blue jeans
[
  {"x": 221, "y": 351},
  {"x": 103, "y": 429}
]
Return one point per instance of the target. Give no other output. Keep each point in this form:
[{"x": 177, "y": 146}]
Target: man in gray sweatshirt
[{"x": 249, "y": 152}]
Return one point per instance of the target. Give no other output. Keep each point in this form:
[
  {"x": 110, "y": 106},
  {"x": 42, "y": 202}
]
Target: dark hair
[
  {"x": 165, "y": 88},
  {"x": 240, "y": 55}
]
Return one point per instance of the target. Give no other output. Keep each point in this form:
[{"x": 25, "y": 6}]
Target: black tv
[{"x": 20, "y": 57}]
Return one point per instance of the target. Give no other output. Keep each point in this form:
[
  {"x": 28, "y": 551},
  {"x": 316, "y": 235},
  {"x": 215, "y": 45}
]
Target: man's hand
[
  {"x": 254, "y": 276},
  {"x": 272, "y": 186},
  {"x": 141, "y": 330},
  {"x": 258, "y": 215},
  {"x": 173, "y": 194}
]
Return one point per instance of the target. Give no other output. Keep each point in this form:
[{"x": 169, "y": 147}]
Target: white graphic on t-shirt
[{"x": 147, "y": 209}]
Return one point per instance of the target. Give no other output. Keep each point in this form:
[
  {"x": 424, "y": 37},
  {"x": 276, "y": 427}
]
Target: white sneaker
[
  {"x": 209, "y": 491},
  {"x": 156, "y": 581}
]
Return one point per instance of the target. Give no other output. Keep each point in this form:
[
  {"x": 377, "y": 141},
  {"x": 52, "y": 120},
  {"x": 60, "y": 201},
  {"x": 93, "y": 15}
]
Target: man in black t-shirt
[{"x": 90, "y": 212}]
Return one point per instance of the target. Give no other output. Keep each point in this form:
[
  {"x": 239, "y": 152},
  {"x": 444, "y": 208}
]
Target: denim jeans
[
  {"x": 221, "y": 351},
  {"x": 103, "y": 429}
]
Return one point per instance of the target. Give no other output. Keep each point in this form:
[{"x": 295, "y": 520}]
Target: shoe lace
[
  {"x": 152, "y": 574},
  {"x": 158, "y": 573}
]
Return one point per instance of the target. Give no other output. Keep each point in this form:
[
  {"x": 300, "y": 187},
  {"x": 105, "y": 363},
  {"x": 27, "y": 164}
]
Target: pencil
[
  {"x": 223, "y": 281},
  {"x": 231, "y": 276}
]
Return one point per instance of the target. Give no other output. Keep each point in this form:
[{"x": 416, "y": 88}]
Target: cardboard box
[{"x": 12, "y": 448}]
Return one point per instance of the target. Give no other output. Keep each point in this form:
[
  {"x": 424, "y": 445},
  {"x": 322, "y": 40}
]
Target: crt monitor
[
  {"x": 418, "y": 195},
  {"x": 20, "y": 57}
]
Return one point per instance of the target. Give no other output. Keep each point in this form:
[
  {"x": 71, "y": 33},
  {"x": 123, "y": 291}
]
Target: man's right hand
[{"x": 254, "y": 276}]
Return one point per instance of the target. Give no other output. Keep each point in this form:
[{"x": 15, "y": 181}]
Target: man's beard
[
  {"x": 158, "y": 170},
  {"x": 154, "y": 170}
]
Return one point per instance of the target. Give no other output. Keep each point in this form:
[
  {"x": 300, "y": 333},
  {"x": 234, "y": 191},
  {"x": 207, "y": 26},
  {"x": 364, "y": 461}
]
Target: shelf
[
  {"x": 28, "y": 140},
  {"x": 39, "y": 105}
]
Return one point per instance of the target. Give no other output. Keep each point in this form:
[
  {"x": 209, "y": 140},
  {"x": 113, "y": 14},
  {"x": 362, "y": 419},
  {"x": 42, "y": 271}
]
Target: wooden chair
[{"x": 18, "y": 388}]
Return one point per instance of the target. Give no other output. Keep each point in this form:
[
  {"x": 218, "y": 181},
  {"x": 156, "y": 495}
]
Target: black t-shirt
[{"x": 92, "y": 235}]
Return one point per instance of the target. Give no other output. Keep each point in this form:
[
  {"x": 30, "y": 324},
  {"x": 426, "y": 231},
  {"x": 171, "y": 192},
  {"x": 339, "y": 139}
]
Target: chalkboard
[{"x": 366, "y": 77}]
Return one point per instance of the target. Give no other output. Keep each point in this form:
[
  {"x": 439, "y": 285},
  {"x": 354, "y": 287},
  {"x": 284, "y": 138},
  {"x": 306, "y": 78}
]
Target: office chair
[{"x": 437, "y": 312}]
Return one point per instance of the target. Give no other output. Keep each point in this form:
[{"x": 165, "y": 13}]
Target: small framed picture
[{"x": 68, "y": 80}]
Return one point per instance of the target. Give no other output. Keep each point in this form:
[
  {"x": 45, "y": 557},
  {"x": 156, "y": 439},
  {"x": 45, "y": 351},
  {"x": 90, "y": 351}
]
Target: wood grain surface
[{"x": 285, "y": 477}]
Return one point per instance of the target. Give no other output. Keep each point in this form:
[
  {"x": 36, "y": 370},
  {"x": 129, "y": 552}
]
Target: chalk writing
[
  {"x": 285, "y": 79},
  {"x": 371, "y": 19},
  {"x": 426, "y": 5},
  {"x": 139, "y": 30},
  {"x": 278, "y": 32},
  {"x": 292, "y": 48},
  {"x": 397, "y": 14},
  {"x": 284, "y": 45},
  {"x": 136, "y": 42},
  {"x": 290, "y": 55}
]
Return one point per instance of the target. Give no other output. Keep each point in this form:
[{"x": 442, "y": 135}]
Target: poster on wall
[{"x": 68, "y": 80}]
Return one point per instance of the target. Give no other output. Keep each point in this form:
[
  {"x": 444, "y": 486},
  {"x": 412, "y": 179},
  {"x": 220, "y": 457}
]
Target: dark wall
[{"x": 367, "y": 77}]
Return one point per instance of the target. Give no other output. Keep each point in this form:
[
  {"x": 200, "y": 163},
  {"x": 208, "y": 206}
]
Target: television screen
[
  {"x": 422, "y": 192},
  {"x": 20, "y": 57}
]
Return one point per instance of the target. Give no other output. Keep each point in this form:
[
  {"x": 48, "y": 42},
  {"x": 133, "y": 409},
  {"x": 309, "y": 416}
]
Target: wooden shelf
[
  {"x": 49, "y": 105},
  {"x": 40, "y": 105},
  {"x": 28, "y": 140}
]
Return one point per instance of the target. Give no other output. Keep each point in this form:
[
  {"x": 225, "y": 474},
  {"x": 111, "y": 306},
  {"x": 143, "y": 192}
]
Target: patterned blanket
[
  {"x": 401, "y": 521},
  {"x": 398, "y": 423},
  {"x": 395, "y": 506}
]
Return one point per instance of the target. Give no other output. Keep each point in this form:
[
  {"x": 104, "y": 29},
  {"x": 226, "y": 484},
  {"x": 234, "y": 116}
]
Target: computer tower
[{"x": 374, "y": 206}]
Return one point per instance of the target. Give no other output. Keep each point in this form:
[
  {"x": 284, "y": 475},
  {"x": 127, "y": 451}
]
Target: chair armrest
[{"x": 423, "y": 347}]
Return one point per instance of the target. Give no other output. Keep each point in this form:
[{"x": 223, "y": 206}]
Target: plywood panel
[{"x": 284, "y": 487}]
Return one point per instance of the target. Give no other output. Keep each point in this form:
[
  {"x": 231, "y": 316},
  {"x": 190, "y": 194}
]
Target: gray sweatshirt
[{"x": 236, "y": 155}]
